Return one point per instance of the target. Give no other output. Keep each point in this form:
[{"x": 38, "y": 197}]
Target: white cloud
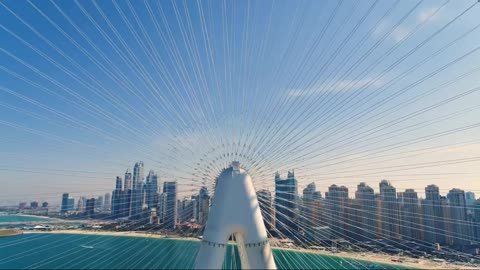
[
  {"x": 400, "y": 33},
  {"x": 340, "y": 86},
  {"x": 427, "y": 14}
]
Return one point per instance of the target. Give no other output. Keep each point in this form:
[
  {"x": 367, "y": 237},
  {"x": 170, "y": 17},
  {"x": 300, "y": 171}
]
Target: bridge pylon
[{"x": 235, "y": 211}]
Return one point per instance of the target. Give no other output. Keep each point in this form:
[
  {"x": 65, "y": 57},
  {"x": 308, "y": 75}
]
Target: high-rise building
[
  {"x": 306, "y": 216},
  {"x": 162, "y": 207},
  {"x": 336, "y": 204},
  {"x": 154, "y": 219},
  {"x": 107, "y": 203},
  {"x": 433, "y": 216},
  {"x": 389, "y": 210},
  {"x": 264, "y": 198},
  {"x": 186, "y": 210},
  {"x": 117, "y": 199},
  {"x": 128, "y": 180},
  {"x": 469, "y": 199},
  {"x": 126, "y": 197},
  {"x": 476, "y": 218},
  {"x": 138, "y": 175},
  {"x": 90, "y": 209},
  {"x": 71, "y": 204},
  {"x": 367, "y": 211},
  {"x": 286, "y": 204},
  {"x": 138, "y": 191},
  {"x": 410, "y": 215},
  {"x": 45, "y": 204},
  {"x": 99, "y": 202},
  {"x": 64, "y": 205},
  {"x": 459, "y": 233},
  {"x": 170, "y": 210},
  {"x": 81, "y": 205},
  {"x": 151, "y": 189},
  {"x": 22, "y": 205},
  {"x": 34, "y": 205},
  {"x": 203, "y": 206}
]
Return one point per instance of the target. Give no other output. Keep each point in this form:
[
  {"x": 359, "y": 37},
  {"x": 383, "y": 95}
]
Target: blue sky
[{"x": 88, "y": 88}]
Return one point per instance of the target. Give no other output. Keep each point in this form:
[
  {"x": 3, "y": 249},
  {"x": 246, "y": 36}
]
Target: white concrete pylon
[{"x": 235, "y": 210}]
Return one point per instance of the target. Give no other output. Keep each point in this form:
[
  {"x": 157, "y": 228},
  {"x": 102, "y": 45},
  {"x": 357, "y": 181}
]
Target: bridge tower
[{"x": 235, "y": 211}]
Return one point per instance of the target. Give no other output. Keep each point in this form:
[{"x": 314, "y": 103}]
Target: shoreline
[{"x": 366, "y": 257}]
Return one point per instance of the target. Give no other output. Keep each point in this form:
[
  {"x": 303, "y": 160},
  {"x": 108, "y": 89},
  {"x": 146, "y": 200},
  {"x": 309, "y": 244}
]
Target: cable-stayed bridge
[{"x": 357, "y": 122}]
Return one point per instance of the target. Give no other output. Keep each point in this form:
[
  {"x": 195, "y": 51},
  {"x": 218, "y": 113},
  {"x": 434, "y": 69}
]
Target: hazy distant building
[
  {"x": 154, "y": 219},
  {"x": 90, "y": 209},
  {"x": 99, "y": 202},
  {"x": 64, "y": 205},
  {"x": 286, "y": 204},
  {"x": 45, "y": 204},
  {"x": 107, "y": 203},
  {"x": 81, "y": 205},
  {"x": 22, "y": 205},
  {"x": 33, "y": 204}
]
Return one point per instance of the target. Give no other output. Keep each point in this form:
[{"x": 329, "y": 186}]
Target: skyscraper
[
  {"x": 107, "y": 204},
  {"x": 151, "y": 189},
  {"x": 286, "y": 204},
  {"x": 170, "y": 211},
  {"x": 307, "y": 205},
  {"x": 117, "y": 198},
  {"x": 433, "y": 216},
  {"x": 410, "y": 215},
  {"x": 470, "y": 198},
  {"x": 126, "y": 198},
  {"x": 336, "y": 200},
  {"x": 367, "y": 211},
  {"x": 264, "y": 198},
  {"x": 203, "y": 205},
  {"x": 186, "y": 210},
  {"x": 476, "y": 217},
  {"x": 460, "y": 231},
  {"x": 64, "y": 206},
  {"x": 138, "y": 191},
  {"x": 71, "y": 204},
  {"x": 128, "y": 180},
  {"x": 389, "y": 210},
  {"x": 90, "y": 209}
]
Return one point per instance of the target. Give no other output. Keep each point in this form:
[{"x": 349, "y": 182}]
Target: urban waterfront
[{"x": 71, "y": 251}]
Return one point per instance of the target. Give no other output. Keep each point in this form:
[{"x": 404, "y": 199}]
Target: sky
[{"x": 339, "y": 91}]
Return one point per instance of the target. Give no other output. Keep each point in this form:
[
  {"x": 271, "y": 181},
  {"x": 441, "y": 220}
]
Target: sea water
[{"x": 76, "y": 251}]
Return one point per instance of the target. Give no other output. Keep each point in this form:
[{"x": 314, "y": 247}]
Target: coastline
[
  {"x": 9, "y": 232},
  {"x": 367, "y": 257}
]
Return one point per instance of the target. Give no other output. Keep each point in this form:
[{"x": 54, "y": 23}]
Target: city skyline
[
  {"x": 393, "y": 95},
  {"x": 351, "y": 126}
]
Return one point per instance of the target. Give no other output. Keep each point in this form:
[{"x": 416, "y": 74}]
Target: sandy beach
[{"x": 371, "y": 257}]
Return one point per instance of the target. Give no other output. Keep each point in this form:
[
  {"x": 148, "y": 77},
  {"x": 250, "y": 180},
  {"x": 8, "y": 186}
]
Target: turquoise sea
[
  {"x": 24, "y": 221},
  {"x": 73, "y": 251}
]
